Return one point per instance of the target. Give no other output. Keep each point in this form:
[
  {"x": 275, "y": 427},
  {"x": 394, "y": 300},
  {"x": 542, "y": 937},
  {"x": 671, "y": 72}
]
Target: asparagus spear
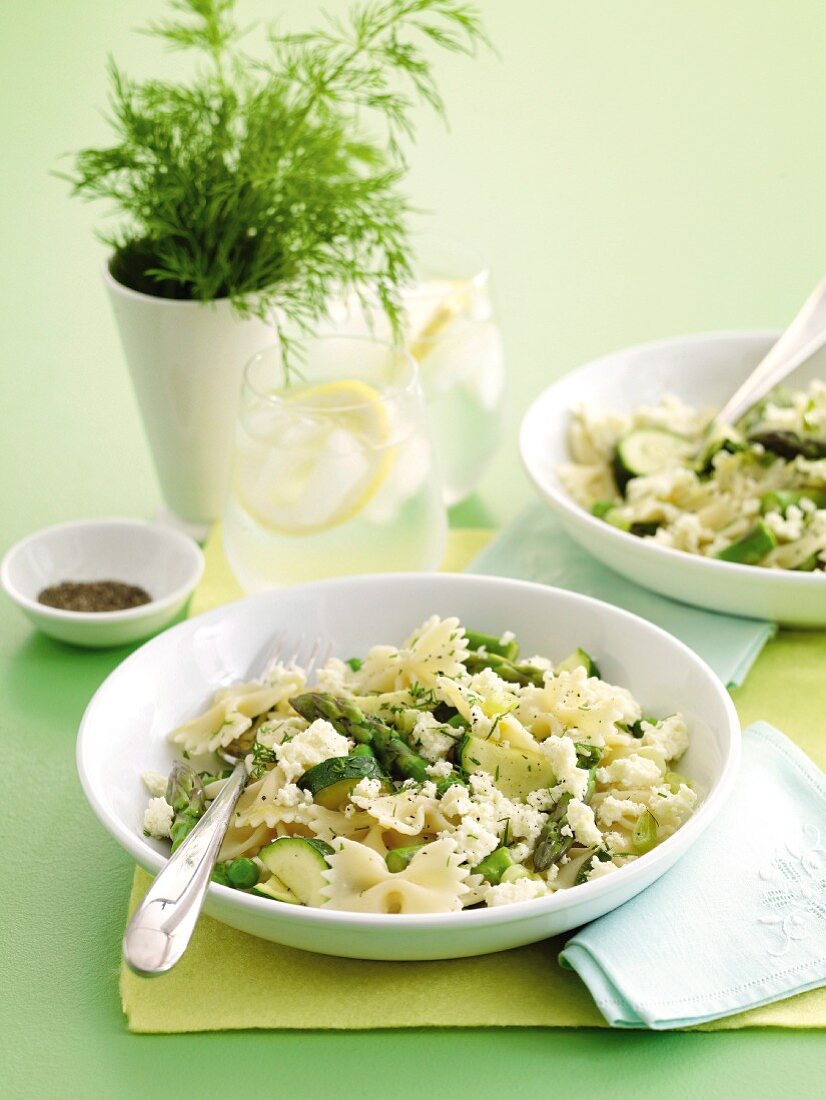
[
  {"x": 552, "y": 844},
  {"x": 185, "y": 794},
  {"x": 789, "y": 444},
  {"x": 507, "y": 670},
  {"x": 477, "y": 640},
  {"x": 392, "y": 751}
]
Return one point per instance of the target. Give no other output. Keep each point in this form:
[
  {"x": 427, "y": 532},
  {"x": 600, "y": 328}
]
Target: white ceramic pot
[{"x": 186, "y": 360}]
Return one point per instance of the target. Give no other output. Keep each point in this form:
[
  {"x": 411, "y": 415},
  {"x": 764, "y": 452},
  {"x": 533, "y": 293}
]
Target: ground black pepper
[{"x": 93, "y": 596}]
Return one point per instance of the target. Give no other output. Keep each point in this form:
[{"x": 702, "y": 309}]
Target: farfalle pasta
[
  {"x": 670, "y": 474},
  {"x": 442, "y": 774}
]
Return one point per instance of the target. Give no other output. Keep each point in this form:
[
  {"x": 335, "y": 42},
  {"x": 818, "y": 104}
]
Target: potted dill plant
[{"x": 248, "y": 197}]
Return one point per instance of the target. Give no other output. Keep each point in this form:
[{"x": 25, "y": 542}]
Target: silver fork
[{"x": 162, "y": 926}]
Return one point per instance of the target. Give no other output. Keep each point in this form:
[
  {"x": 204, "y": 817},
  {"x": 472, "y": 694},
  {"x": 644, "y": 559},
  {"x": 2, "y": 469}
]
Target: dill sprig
[{"x": 272, "y": 181}]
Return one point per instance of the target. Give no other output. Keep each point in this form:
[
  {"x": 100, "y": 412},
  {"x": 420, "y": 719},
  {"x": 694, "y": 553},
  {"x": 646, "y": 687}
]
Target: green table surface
[{"x": 632, "y": 170}]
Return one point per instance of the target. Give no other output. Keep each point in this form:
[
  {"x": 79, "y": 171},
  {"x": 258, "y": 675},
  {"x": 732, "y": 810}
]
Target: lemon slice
[
  {"x": 453, "y": 303},
  {"x": 316, "y": 460}
]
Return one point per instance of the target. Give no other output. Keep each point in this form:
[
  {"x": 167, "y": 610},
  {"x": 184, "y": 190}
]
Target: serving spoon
[
  {"x": 162, "y": 925},
  {"x": 804, "y": 336}
]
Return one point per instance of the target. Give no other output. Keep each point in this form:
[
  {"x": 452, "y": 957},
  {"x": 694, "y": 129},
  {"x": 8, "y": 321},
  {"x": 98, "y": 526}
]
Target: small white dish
[
  {"x": 164, "y": 562},
  {"x": 173, "y": 677},
  {"x": 703, "y": 370}
]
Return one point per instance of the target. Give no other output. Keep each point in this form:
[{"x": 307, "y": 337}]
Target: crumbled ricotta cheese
[
  {"x": 615, "y": 843},
  {"x": 430, "y": 738},
  {"x": 311, "y": 746},
  {"x": 507, "y": 637},
  {"x": 631, "y": 772},
  {"x": 158, "y": 817},
  {"x": 487, "y": 684},
  {"x": 670, "y": 736},
  {"x": 440, "y": 770},
  {"x": 614, "y": 811},
  {"x": 599, "y": 869},
  {"x": 155, "y": 783},
  {"x": 366, "y": 789},
  {"x": 581, "y": 819},
  {"x": 484, "y": 815},
  {"x": 671, "y": 808},
  {"x": 787, "y": 528},
  {"x": 542, "y": 663},
  {"x": 334, "y": 677},
  {"x": 522, "y": 889},
  {"x": 561, "y": 754}
]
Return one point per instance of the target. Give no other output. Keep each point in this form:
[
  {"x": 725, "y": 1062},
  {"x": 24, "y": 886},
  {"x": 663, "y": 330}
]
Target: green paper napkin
[{"x": 228, "y": 980}]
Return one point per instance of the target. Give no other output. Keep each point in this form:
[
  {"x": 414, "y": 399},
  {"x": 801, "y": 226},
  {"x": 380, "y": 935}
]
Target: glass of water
[
  {"x": 334, "y": 473},
  {"x": 452, "y": 332}
]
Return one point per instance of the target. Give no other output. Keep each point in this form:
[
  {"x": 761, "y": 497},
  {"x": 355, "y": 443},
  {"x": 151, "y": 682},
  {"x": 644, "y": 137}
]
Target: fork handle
[{"x": 162, "y": 926}]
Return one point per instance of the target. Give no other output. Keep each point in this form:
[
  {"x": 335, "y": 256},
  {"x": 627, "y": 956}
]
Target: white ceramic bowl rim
[
  {"x": 560, "y": 901},
  {"x": 183, "y": 542},
  {"x": 565, "y": 503}
]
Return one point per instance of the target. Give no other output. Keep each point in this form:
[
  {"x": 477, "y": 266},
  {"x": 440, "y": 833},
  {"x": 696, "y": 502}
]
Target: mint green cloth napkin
[
  {"x": 535, "y": 548},
  {"x": 739, "y": 922}
]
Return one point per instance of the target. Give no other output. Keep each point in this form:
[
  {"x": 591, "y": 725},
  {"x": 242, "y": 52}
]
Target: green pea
[
  {"x": 219, "y": 874},
  {"x": 354, "y": 663},
  {"x": 242, "y": 874}
]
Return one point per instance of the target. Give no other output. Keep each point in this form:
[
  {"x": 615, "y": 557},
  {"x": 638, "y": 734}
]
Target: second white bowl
[{"x": 703, "y": 370}]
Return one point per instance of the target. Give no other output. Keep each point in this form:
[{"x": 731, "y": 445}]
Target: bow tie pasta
[
  {"x": 754, "y": 494},
  {"x": 444, "y": 774}
]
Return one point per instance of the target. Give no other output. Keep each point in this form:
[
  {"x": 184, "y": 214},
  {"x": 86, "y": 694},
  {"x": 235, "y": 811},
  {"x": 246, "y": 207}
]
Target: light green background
[{"x": 633, "y": 168}]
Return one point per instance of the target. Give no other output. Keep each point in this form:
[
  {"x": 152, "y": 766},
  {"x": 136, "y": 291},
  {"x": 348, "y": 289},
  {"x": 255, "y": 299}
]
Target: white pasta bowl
[
  {"x": 174, "y": 676},
  {"x": 703, "y": 371},
  {"x": 164, "y": 562}
]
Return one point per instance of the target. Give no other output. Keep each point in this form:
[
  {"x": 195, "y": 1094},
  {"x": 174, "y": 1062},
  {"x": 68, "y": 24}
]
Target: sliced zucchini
[
  {"x": 752, "y": 548},
  {"x": 494, "y": 866},
  {"x": 275, "y": 890},
  {"x": 646, "y": 451},
  {"x": 516, "y": 772},
  {"x": 331, "y": 781},
  {"x": 578, "y": 659},
  {"x": 476, "y": 640},
  {"x": 299, "y": 863},
  {"x": 398, "y": 858},
  {"x": 781, "y": 499}
]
